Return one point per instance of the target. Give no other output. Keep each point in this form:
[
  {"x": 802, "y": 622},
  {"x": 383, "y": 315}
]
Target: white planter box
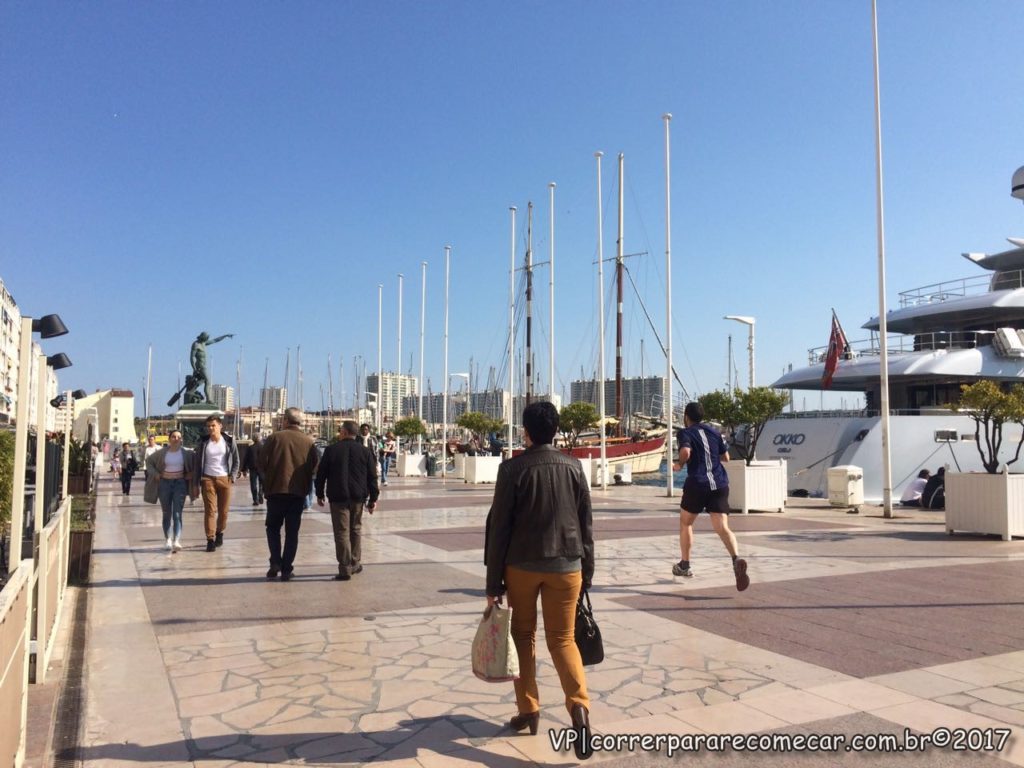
[
  {"x": 588, "y": 470},
  {"x": 761, "y": 486},
  {"x": 982, "y": 503},
  {"x": 459, "y": 472},
  {"x": 482, "y": 469},
  {"x": 412, "y": 465}
]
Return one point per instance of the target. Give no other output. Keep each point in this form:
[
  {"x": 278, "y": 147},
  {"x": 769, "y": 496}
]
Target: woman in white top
[
  {"x": 168, "y": 475},
  {"x": 912, "y": 495}
]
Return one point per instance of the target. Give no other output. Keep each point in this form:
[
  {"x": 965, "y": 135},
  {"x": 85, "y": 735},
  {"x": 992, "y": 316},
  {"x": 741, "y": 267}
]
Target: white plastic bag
[{"x": 494, "y": 654}]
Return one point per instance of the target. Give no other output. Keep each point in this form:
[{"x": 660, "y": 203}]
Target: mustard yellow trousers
[{"x": 558, "y": 595}]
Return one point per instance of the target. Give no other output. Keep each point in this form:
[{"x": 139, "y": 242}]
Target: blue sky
[{"x": 258, "y": 168}]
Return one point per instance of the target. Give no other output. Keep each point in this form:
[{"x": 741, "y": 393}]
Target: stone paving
[{"x": 852, "y": 624}]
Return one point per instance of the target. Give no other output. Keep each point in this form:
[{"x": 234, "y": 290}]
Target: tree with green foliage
[
  {"x": 756, "y": 407},
  {"x": 479, "y": 423},
  {"x": 409, "y": 427},
  {"x": 576, "y": 418},
  {"x": 990, "y": 407},
  {"x": 751, "y": 409}
]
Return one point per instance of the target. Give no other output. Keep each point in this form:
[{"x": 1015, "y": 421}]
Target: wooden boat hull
[{"x": 644, "y": 455}]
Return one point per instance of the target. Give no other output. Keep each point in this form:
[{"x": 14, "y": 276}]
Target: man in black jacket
[
  {"x": 251, "y": 468},
  {"x": 348, "y": 477}
]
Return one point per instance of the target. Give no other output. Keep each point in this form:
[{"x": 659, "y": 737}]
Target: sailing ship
[{"x": 642, "y": 452}]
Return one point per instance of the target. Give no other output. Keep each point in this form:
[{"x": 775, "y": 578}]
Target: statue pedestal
[{"x": 192, "y": 421}]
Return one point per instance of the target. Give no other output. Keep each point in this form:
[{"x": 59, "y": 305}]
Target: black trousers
[
  {"x": 283, "y": 510},
  {"x": 126, "y": 481}
]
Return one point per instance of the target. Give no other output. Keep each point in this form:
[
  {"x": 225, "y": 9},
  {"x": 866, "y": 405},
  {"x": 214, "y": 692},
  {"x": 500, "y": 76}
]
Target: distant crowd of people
[{"x": 286, "y": 470}]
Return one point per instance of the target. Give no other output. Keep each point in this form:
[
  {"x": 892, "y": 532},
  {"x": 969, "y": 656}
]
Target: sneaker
[
  {"x": 211, "y": 546},
  {"x": 740, "y": 569},
  {"x": 682, "y": 568},
  {"x": 272, "y": 572},
  {"x": 177, "y": 545},
  {"x": 169, "y": 544},
  {"x": 219, "y": 540},
  {"x": 342, "y": 577},
  {"x": 286, "y": 575},
  {"x": 358, "y": 569}
]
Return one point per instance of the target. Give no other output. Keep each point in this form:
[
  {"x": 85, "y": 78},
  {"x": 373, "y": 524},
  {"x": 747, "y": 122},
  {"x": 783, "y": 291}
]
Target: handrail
[
  {"x": 962, "y": 287},
  {"x": 903, "y": 344}
]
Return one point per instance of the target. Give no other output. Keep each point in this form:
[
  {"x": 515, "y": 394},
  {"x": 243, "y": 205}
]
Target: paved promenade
[{"x": 852, "y": 624}]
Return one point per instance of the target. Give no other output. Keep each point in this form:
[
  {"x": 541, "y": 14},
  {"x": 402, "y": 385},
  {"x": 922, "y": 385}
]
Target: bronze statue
[{"x": 197, "y": 357}]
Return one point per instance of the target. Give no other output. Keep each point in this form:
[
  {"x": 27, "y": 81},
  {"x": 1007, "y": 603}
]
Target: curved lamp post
[{"x": 749, "y": 322}]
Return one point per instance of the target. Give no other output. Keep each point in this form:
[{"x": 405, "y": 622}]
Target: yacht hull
[{"x": 813, "y": 444}]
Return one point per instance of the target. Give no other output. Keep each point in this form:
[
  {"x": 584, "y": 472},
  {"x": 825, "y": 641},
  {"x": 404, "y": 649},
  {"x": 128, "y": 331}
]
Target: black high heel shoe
[
  {"x": 581, "y": 724},
  {"x": 519, "y": 722}
]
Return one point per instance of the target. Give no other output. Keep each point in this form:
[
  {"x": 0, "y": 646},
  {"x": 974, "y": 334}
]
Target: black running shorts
[{"x": 700, "y": 498}]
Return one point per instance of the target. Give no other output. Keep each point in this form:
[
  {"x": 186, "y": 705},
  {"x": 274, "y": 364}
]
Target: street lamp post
[
  {"x": 47, "y": 327},
  {"x": 749, "y": 322}
]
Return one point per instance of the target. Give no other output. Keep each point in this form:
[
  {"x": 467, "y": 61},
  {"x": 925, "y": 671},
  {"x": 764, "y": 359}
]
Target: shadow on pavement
[{"x": 404, "y": 741}]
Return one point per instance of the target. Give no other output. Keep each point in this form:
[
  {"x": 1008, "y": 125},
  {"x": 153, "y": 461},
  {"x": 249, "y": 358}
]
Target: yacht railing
[
  {"x": 903, "y": 344},
  {"x": 966, "y": 286}
]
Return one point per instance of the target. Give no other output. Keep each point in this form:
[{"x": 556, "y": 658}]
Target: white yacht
[{"x": 942, "y": 336}]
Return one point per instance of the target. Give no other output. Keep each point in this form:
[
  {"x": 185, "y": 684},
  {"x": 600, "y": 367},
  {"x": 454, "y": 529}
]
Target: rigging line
[{"x": 664, "y": 351}]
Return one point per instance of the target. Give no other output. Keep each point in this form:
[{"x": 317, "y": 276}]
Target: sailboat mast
[
  {"x": 511, "y": 334},
  {"x": 529, "y": 302},
  {"x": 287, "y": 366},
  {"x": 263, "y": 395},
  {"x": 618, "y": 309}
]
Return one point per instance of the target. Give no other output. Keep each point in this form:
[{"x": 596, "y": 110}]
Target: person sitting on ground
[
  {"x": 912, "y": 494},
  {"x": 934, "y": 494}
]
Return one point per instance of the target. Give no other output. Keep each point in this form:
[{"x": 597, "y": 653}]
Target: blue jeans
[
  {"x": 172, "y": 501},
  {"x": 385, "y": 463}
]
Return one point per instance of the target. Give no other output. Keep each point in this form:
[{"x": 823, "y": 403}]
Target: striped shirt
[{"x": 704, "y": 467}]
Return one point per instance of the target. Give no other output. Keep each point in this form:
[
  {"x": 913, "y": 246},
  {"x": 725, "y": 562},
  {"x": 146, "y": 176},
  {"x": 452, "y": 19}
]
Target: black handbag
[{"x": 588, "y": 634}]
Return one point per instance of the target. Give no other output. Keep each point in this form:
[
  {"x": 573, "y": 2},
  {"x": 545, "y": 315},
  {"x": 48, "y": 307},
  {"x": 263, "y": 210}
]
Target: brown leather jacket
[
  {"x": 541, "y": 509},
  {"x": 287, "y": 461}
]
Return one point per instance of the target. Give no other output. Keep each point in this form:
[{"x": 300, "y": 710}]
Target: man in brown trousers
[{"x": 287, "y": 461}]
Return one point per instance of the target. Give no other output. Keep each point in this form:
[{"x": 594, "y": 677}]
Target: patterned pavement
[{"x": 853, "y": 625}]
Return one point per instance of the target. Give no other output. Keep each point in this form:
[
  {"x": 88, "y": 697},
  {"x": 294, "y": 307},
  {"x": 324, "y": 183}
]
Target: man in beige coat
[{"x": 287, "y": 461}]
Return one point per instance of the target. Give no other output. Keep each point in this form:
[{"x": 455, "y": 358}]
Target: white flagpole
[
  {"x": 444, "y": 399},
  {"x": 380, "y": 358},
  {"x": 551, "y": 286},
  {"x": 600, "y": 335},
  {"x": 512, "y": 335},
  {"x": 670, "y": 459},
  {"x": 883, "y": 328},
  {"x": 398, "y": 438},
  {"x": 423, "y": 321}
]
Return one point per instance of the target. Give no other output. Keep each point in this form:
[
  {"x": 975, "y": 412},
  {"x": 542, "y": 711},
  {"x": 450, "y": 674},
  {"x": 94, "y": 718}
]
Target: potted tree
[
  {"x": 83, "y": 527},
  {"x": 753, "y": 484},
  {"x": 476, "y": 467},
  {"x": 991, "y": 501},
  {"x": 410, "y": 464},
  {"x": 79, "y": 474}
]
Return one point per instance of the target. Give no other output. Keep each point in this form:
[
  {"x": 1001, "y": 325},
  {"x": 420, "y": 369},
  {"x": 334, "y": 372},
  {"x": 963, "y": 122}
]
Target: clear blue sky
[{"x": 258, "y": 168}]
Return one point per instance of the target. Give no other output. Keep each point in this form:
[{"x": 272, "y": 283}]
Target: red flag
[{"x": 837, "y": 345}]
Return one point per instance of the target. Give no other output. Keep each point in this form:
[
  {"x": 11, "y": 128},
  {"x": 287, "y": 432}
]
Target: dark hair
[
  {"x": 694, "y": 412},
  {"x": 364, "y": 425},
  {"x": 540, "y": 420},
  {"x": 350, "y": 427},
  {"x": 213, "y": 418},
  {"x": 924, "y": 474}
]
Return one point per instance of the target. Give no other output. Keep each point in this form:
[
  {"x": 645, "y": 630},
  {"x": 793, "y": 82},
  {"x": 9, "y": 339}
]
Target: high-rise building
[
  {"x": 223, "y": 397},
  {"x": 273, "y": 399},
  {"x": 395, "y": 388},
  {"x": 639, "y": 395}
]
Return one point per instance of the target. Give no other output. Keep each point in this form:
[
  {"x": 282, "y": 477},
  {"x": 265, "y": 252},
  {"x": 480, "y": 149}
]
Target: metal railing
[
  {"x": 958, "y": 289},
  {"x": 904, "y": 344}
]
